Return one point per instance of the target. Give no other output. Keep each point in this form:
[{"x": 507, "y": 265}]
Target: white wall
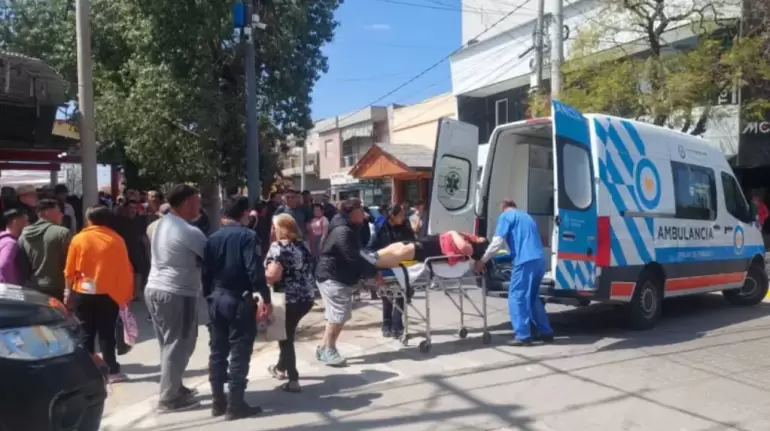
[
  {"x": 495, "y": 63},
  {"x": 479, "y": 15}
]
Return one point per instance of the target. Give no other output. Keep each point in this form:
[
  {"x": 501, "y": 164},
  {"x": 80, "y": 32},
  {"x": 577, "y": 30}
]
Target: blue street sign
[{"x": 239, "y": 15}]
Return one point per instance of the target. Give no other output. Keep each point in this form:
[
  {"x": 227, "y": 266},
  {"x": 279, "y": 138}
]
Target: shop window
[{"x": 694, "y": 191}]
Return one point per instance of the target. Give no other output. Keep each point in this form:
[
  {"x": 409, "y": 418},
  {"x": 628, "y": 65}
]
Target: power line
[
  {"x": 438, "y": 63},
  {"x": 441, "y": 6},
  {"x": 481, "y": 79}
]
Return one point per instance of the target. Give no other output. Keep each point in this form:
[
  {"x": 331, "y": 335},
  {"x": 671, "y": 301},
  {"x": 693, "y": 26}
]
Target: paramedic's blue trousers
[
  {"x": 232, "y": 330},
  {"x": 524, "y": 303}
]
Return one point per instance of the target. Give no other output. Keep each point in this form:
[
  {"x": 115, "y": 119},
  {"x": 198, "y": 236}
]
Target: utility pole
[
  {"x": 252, "y": 123},
  {"x": 557, "y": 48},
  {"x": 86, "y": 102},
  {"x": 302, "y": 161},
  {"x": 539, "y": 35}
]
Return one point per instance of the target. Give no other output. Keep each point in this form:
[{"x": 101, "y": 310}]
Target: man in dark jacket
[
  {"x": 340, "y": 267},
  {"x": 232, "y": 273}
]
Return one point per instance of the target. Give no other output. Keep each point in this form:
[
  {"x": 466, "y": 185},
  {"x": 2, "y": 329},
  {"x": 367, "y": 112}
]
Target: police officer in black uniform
[{"x": 232, "y": 273}]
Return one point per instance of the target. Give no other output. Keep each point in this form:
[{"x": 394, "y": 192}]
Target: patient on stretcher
[{"x": 454, "y": 244}]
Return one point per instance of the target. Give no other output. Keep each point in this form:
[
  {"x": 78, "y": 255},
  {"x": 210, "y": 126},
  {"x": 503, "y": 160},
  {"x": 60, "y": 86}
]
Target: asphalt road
[{"x": 705, "y": 367}]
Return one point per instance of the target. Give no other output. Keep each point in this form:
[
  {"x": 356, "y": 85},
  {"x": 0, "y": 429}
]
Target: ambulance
[{"x": 629, "y": 212}]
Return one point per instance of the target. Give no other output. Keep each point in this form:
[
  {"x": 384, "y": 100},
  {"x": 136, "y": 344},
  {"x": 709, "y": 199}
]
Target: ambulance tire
[
  {"x": 754, "y": 288},
  {"x": 646, "y": 306}
]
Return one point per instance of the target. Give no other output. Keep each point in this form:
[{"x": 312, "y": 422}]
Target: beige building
[{"x": 417, "y": 124}]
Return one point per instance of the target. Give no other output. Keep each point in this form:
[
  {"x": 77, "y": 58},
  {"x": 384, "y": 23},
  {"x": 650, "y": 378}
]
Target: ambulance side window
[
  {"x": 735, "y": 202},
  {"x": 694, "y": 191}
]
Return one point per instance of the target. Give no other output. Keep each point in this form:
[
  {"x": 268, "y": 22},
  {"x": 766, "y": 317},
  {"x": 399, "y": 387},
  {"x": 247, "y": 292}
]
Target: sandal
[
  {"x": 291, "y": 387},
  {"x": 276, "y": 373}
]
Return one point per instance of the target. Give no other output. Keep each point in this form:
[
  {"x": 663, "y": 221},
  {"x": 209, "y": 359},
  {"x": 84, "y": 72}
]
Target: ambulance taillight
[{"x": 603, "y": 242}]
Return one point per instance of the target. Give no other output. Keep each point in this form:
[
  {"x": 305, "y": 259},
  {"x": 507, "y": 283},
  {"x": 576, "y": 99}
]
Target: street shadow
[
  {"x": 151, "y": 373},
  {"x": 690, "y": 318},
  {"x": 684, "y": 319},
  {"x": 328, "y": 394}
]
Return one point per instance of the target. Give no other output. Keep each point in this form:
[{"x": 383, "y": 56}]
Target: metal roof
[
  {"x": 413, "y": 156},
  {"x": 28, "y": 80}
]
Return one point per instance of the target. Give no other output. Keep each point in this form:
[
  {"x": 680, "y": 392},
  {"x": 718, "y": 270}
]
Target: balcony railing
[
  {"x": 292, "y": 165},
  {"x": 349, "y": 160}
]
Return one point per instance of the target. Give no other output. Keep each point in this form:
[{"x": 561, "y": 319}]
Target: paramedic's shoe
[
  {"x": 547, "y": 339},
  {"x": 387, "y": 333},
  {"x": 520, "y": 343},
  {"x": 331, "y": 357}
]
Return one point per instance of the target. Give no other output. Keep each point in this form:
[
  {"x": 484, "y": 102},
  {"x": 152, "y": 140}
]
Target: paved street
[{"x": 704, "y": 368}]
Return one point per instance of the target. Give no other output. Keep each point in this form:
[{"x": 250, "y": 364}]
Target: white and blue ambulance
[{"x": 629, "y": 212}]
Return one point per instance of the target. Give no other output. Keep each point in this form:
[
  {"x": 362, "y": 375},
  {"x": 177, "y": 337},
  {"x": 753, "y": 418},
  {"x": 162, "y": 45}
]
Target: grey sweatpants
[{"x": 175, "y": 318}]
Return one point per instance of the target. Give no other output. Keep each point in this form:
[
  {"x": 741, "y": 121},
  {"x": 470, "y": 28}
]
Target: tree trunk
[{"x": 211, "y": 203}]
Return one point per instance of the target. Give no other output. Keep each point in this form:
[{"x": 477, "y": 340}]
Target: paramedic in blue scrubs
[{"x": 519, "y": 231}]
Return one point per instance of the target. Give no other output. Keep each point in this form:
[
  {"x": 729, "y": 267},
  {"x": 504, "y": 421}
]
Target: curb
[{"x": 127, "y": 416}]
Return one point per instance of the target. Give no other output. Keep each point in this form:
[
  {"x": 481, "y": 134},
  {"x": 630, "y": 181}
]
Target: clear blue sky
[{"x": 379, "y": 45}]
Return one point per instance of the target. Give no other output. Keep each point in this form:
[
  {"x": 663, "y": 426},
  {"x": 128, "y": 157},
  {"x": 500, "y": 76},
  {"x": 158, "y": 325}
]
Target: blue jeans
[{"x": 524, "y": 303}]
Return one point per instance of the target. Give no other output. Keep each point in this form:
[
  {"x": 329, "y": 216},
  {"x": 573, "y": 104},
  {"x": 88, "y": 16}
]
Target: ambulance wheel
[
  {"x": 754, "y": 288},
  {"x": 486, "y": 338},
  {"x": 462, "y": 333},
  {"x": 646, "y": 306},
  {"x": 424, "y": 346}
]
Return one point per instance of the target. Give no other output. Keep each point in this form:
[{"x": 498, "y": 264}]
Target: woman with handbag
[{"x": 289, "y": 268}]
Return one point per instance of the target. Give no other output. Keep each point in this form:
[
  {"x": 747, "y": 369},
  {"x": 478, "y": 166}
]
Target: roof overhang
[{"x": 28, "y": 81}]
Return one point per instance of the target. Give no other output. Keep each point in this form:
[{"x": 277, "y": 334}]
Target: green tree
[
  {"x": 169, "y": 81},
  {"x": 623, "y": 62}
]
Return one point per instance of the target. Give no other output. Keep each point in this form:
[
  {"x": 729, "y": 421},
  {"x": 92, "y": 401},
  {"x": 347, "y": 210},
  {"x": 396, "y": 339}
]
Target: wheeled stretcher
[{"x": 436, "y": 272}]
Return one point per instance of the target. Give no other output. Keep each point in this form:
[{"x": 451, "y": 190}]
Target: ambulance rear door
[
  {"x": 574, "y": 243},
  {"x": 451, "y": 205}
]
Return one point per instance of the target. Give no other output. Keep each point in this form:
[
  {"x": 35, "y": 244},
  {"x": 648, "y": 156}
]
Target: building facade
[
  {"x": 292, "y": 163},
  {"x": 418, "y": 124},
  {"x": 342, "y": 141},
  {"x": 493, "y": 75}
]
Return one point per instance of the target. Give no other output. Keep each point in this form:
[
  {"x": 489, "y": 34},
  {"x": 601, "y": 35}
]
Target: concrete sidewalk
[{"x": 130, "y": 401}]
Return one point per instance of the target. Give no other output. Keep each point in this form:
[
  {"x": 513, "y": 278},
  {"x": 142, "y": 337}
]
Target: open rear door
[
  {"x": 575, "y": 223},
  {"x": 455, "y": 171}
]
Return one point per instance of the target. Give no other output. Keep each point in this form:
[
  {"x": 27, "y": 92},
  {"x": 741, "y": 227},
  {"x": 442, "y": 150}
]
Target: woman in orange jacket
[{"x": 100, "y": 280}]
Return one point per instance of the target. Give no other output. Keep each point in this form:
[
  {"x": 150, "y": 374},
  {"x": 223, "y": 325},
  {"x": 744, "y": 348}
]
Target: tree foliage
[
  {"x": 169, "y": 78},
  {"x": 624, "y": 61}
]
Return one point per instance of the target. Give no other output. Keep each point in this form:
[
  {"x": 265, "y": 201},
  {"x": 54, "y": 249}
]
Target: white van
[{"x": 629, "y": 212}]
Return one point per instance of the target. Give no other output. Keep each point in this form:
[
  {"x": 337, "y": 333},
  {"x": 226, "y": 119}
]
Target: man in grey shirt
[
  {"x": 293, "y": 206},
  {"x": 172, "y": 292}
]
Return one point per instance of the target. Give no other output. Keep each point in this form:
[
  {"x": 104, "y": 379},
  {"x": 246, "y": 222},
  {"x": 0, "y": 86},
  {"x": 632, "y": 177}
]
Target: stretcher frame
[{"x": 392, "y": 290}]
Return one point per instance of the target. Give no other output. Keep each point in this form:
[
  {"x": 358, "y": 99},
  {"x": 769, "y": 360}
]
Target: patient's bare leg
[{"x": 394, "y": 254}]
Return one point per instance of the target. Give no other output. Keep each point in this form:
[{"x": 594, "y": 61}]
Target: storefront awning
[{"x": 393, "y": 160}]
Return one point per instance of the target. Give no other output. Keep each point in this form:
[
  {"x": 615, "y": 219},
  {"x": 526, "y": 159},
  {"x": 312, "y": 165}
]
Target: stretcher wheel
[
  {"x": 424, "y": 346},
  {"x": 463, "y": 332},
  {"x": 486, "y": 338}
]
